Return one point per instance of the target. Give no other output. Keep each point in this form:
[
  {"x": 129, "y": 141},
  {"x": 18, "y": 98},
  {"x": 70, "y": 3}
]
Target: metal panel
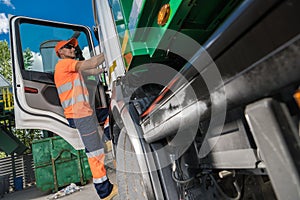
[
  {"x": 278, "y": 143},
  {"x": 109, "y": 41}
]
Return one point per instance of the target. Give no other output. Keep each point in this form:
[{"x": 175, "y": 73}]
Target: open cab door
[{"x": 36, "y": 101}]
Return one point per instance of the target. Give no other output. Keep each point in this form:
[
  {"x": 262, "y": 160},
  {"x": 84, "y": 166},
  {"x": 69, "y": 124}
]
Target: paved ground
[{"x": 86, "y": 193}]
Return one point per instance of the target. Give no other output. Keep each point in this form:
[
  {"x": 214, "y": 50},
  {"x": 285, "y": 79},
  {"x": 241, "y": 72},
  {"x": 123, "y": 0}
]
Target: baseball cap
[{"x": 62, "y": 43}]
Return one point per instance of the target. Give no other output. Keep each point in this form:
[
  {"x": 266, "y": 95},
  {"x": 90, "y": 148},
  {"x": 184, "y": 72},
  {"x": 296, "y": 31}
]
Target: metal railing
[{"x": 7, "y": 99}]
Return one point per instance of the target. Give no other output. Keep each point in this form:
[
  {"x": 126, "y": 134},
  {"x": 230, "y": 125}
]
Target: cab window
[{"x": 37, "y": 48}]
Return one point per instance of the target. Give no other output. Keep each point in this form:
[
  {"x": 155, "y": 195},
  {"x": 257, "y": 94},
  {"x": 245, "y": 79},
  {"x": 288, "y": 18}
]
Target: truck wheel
[{"x": 129, "y": 176}]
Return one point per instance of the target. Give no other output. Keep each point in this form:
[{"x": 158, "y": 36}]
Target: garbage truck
[{"x": 203, "y": 96}]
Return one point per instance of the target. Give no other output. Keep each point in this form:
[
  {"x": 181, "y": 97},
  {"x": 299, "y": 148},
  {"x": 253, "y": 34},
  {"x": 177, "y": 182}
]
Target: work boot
[{"x": 113, "y": 193}]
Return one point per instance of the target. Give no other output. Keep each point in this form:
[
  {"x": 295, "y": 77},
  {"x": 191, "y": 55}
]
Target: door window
[{"x": 37, "y": 48}]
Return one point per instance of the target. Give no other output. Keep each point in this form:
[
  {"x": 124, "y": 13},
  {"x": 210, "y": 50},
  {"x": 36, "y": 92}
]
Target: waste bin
[
  {"x": 58, "y": 164},
  {"x": 18, "y": 183},
  {"x": 4, "y": 184}
]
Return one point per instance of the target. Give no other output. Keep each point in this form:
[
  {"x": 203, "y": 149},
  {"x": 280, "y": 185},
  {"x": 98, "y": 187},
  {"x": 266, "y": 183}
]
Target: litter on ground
[{"x": 66, "y": 191}]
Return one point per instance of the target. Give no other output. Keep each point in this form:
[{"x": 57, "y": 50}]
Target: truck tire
[{"x": 129, "y": 176}]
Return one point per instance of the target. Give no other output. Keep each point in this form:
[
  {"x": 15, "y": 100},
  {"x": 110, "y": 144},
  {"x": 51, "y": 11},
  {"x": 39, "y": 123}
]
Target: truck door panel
[{"x": 33, "y": 60}]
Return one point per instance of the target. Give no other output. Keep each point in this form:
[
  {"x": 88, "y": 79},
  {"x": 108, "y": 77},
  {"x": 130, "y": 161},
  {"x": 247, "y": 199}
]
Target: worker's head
[{"x": 66, "y": 48}]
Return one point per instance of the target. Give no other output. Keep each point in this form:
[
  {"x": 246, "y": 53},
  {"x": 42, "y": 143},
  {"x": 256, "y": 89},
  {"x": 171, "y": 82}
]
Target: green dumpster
[{"x": 58, "y": 164}]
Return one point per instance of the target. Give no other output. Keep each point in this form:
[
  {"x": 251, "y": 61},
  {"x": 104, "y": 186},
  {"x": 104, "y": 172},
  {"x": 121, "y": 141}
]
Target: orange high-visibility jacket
[{"x": 72, "y": 91}]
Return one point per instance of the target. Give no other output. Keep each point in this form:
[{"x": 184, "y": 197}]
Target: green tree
[
  {"x": 28, "y": 59},
  {"x": 5, "y": 62}
]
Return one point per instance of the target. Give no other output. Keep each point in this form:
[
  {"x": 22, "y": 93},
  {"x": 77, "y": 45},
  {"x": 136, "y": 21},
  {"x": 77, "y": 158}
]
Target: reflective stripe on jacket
[{"x": 72, "y": 91}]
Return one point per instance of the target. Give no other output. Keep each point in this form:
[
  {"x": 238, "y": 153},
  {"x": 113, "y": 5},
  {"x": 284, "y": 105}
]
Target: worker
[{"x": 74, "y": 99}]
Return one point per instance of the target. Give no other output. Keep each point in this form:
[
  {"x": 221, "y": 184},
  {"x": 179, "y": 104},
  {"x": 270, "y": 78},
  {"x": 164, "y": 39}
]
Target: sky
[{"x": 69, "y": 11}]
